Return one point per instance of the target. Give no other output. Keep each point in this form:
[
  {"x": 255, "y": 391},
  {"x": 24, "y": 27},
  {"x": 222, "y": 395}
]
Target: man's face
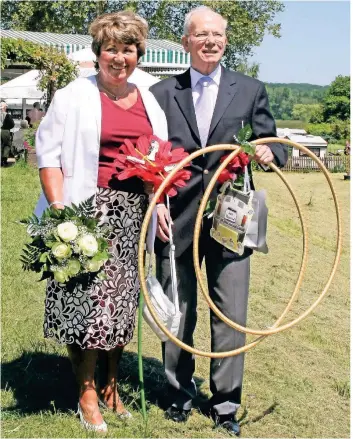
[
  {"x": 3, "y": 108},
  {"x": 206, "y": 41}
]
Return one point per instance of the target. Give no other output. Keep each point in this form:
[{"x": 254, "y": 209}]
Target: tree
[
  {"x": 248, "y": 21},
  {"x": 305, "y": 112},
  {"x": 55, "y": 69},
  {"x": 50, "y": 16},
  {"x": 249, "y": 69},
  {"x": 337, "y": 102}
]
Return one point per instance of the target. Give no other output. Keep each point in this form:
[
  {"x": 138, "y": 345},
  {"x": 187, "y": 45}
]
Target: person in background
[
  {"x": 7, "y": 123},
  {"x": 18, "y": 139},
  {"x": 27, "y": 118},
  {"x": 35, "y": 114},
  {"x": 207, "y": 105}
]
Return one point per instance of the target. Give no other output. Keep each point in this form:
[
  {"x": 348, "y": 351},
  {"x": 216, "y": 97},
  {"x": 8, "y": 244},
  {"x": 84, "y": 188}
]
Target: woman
[{"x": 76, "y": 145}]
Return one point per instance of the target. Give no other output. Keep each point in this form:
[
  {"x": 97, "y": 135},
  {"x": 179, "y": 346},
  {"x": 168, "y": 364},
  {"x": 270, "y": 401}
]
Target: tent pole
[{"x": 23, "y": 108}]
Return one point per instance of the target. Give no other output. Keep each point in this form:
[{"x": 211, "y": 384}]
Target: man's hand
[
  {"x": 162, "y": 226},
  {"x": 263, "y": 154}
]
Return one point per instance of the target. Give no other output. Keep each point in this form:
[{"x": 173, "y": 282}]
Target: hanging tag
[{"x": 232, "y": 217}]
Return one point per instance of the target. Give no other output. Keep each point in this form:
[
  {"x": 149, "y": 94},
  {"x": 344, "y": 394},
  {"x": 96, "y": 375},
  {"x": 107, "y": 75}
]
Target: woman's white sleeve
[{"x": 50, "y": 133}]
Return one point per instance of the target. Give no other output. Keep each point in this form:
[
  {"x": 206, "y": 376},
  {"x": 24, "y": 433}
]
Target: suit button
[{"x": 206, "y": 171}]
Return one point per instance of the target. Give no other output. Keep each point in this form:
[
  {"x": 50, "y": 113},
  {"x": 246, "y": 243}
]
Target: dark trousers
[
  {"x": 5, "y": 145},
  {"x": 228, "y": 283}
]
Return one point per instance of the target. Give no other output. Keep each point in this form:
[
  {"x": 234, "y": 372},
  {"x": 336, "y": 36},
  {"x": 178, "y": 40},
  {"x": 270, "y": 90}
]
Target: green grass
[
  {"x": 290, "y": 124},
  {"x": 333, "y": 147},
  {"x": 296, "y": 383}
]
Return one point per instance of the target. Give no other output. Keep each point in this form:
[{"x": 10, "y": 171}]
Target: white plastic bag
[{"x": 167, "y": 310}]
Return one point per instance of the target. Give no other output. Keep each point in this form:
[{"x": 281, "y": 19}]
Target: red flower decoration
[
  {"x": 151, "y": 160},
  {"x": 234, "y": 168}
]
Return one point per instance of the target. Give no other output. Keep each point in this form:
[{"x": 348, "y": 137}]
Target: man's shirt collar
[{"x": 215, "y": 76}]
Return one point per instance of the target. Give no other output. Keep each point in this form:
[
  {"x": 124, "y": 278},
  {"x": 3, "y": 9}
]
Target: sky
[{"x": 314, "y": 44}]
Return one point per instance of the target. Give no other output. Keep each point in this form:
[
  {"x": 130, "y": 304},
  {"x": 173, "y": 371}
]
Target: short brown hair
[{"x": 124, "y": 27}]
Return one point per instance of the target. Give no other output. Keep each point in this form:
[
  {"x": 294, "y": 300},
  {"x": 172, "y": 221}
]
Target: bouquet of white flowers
[{"x": 67, "y": 244}]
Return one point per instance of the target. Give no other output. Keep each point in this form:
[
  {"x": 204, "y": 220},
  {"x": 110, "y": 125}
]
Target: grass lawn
[
  {"x": 290, "y": 124},
  {"x": 296, "y": 383},
  {"x": 334, "y": 147}
]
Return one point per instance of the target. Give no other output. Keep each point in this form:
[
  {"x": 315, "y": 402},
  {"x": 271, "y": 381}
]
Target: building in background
[
  {"x": 162, "y": 58},
  {"x": 316, "y": 144}
]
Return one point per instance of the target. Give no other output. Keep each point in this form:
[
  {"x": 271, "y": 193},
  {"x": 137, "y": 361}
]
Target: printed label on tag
[{"x": 231, "y": 215}]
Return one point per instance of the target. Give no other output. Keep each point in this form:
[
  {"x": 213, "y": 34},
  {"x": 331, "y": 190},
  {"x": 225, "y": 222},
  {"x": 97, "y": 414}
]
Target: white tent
[
  {"x": 82, "y": 55},
  {"x": 22, "y": 87},
  {"x": 85, "y": 56},
  {"x": 23, "y": 91}
]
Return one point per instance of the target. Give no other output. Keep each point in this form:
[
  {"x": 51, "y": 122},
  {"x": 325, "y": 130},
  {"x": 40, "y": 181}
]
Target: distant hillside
[
  {"x": 297, "y": 86},
  {"x": 283, "y": 97}
]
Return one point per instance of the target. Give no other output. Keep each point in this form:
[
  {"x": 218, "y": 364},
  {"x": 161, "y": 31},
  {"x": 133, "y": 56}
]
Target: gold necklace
[{"x": 115, "y": 97}]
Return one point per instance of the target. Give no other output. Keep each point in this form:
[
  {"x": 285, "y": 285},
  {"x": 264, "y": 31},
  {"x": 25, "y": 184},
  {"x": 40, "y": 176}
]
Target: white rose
[
  {"x": 67, "y": 231},
  {"x": 61, "y": 251},
  {"x": 93, "y": 266},
  {"x": 88, "y": 245}
]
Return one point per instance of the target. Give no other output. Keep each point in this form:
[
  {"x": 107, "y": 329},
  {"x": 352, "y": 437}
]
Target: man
[
  {"x": 7, "y": 124},
  {"x": 207, "y": 105},
  {"x": 35, "y": 114}
]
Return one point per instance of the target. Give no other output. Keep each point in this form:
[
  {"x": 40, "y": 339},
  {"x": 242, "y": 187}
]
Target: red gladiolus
[{"x": 152, "y": 162}]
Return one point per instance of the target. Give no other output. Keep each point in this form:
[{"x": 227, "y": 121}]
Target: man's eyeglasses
[{"x": 203, "y": 36}]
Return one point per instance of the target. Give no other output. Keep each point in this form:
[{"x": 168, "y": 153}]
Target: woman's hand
[
  {"x": 59, "y": 206},
  {"x": 148, "y": 187}
]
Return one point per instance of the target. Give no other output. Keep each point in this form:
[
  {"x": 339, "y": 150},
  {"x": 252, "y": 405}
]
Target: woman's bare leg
[
  {"x": 84, "y": 364},
  {"x": 109, "y": 392}
]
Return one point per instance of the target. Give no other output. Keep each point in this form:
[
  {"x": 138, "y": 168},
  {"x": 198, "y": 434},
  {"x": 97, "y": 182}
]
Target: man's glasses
[{"x": 203, "y": 36}]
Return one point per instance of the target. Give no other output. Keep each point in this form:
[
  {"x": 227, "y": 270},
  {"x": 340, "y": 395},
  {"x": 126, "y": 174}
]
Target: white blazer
[{"x": 69, "y": 137}]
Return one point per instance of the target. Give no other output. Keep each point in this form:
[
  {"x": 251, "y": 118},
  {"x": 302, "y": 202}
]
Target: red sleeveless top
[{"x": 117, "y": 125}]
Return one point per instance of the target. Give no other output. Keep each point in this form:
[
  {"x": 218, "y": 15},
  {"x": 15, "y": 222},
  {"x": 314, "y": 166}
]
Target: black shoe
[
  {"x": 177, "y": 415},
  {"x": 228, "y": 422}
]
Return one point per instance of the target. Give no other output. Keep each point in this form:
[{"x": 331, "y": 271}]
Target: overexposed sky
[{"x": 314, "y": 46}]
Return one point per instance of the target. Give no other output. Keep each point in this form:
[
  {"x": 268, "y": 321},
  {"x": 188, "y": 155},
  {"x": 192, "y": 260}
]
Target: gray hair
[
  {"x": 188, "y": 17},
  {"x": 24, "y": 124}
]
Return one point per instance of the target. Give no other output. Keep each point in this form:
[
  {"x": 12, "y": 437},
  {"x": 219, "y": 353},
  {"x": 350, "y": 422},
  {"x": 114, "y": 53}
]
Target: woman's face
[{"x": 117, "y": 61}]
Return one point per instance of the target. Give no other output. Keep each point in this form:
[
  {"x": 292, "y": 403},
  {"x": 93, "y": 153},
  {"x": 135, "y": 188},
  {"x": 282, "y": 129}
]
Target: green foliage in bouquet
[{"x": 67, "y": 244}]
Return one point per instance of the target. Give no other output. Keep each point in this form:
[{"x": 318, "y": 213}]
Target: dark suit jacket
[
  {"x": 240, "y": 98},
  {"x": 8, "y": 123}
]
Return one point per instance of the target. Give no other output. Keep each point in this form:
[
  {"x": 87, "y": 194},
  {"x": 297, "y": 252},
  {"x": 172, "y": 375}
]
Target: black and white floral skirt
[{"x": 102, "y": 315}]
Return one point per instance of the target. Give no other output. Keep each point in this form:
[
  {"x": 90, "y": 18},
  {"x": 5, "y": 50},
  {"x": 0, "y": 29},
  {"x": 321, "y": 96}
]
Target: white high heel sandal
[{"x": 91, "y": 427}]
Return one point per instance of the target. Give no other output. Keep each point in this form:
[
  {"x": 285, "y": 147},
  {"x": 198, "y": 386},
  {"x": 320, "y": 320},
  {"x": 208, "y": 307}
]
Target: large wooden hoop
[{"x": 275, "y": 328}]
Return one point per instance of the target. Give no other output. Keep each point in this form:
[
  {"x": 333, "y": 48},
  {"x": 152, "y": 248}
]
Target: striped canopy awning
[{"x": 159, "y": 53}]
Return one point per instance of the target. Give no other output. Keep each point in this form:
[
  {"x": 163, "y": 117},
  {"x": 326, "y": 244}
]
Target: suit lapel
[
  {"x": 183, "y": 96},
  {"x": 226, "y": 93}
]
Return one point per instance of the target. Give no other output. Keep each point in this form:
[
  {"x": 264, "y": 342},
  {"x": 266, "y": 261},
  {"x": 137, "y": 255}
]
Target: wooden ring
[{"x": 275, "y": 328}]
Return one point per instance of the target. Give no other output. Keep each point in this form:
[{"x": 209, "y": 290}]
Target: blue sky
[{"x": 314, "y": 46}]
